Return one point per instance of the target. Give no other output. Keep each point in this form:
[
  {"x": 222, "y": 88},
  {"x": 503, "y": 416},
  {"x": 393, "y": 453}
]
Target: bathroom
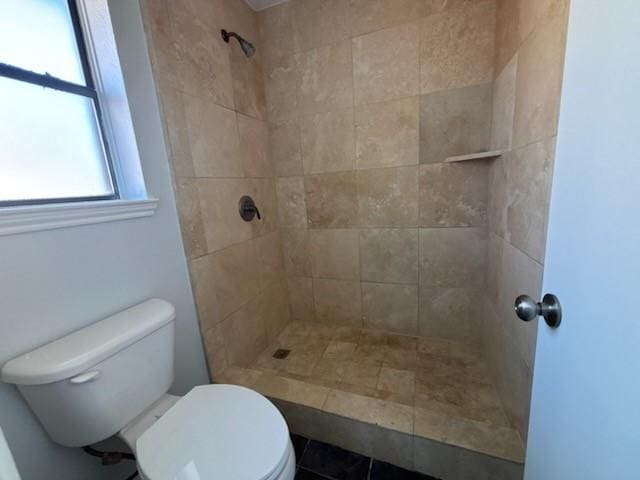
[{"x": 339, "y": 200}]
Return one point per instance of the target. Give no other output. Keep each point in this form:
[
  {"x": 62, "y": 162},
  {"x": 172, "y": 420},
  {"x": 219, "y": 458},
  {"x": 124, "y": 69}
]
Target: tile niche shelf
[{"x": 474, "y": 156}]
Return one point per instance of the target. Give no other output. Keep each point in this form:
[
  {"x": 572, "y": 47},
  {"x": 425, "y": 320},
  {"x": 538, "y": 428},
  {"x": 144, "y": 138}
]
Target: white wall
[{"x": 54, "y": 282}]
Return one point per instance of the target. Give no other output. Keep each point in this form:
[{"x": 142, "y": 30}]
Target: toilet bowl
[
  {"x": 214, "y": 431},
  {"x": 112, "y": 378}
]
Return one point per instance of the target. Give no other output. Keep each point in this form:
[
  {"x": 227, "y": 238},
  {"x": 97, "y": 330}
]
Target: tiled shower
[{"x": 347, "y": 128}]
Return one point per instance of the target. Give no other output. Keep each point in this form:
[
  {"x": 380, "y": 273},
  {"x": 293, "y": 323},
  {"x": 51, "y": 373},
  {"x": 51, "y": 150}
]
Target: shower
[{"x": 247, "y": 47}]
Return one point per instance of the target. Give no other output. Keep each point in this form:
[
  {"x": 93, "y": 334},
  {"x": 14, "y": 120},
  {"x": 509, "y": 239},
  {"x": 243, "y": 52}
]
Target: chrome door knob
[{"x": 527, "y": 309}]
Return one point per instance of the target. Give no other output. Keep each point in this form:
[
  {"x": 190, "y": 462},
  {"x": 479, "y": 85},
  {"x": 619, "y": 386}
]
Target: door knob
[{"x": 527, "y": 309}]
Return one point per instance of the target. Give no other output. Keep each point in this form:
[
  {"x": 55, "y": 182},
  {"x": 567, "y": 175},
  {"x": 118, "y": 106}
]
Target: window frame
[{"x": 89, "y": 90}]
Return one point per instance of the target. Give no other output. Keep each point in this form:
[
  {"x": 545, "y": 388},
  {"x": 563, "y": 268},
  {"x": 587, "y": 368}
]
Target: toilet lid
[{"x": 215, "y": 432}]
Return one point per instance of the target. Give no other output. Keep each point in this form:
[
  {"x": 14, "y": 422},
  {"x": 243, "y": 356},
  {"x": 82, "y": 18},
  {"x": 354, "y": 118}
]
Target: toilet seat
[{"x": 216, "y": 432}]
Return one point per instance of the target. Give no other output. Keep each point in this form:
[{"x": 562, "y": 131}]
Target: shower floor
[{"x": 423, "y": 387}]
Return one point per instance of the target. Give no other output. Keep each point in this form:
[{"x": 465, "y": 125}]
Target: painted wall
[
  {"x": 213, "y": 108},
  {"x": 57, "y": 281},
  {"x": 530, "y": 43}
]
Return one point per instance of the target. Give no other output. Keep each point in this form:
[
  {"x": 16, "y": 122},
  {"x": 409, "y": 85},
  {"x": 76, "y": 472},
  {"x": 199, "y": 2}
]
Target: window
[{"x": 53, "y": 146}]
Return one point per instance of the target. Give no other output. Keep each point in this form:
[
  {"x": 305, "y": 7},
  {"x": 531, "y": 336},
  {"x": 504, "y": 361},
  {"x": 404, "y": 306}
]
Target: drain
[{"x": 281, "y": 353}]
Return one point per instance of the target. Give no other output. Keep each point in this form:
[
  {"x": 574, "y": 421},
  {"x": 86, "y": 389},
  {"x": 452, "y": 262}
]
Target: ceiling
[{"x": 262, "y": 4}]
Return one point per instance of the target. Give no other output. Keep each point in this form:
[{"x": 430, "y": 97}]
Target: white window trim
[
  {"x": 24, "y": 219},
  {"x": 134, "y": 201}
]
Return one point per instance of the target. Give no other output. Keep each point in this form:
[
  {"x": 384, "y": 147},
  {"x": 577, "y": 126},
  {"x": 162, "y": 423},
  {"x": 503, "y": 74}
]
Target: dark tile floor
[{"x": 321, "y": 461}]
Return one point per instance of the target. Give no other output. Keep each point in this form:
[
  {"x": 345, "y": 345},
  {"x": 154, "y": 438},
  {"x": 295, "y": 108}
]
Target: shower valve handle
[{"x": 528, "y": 309}]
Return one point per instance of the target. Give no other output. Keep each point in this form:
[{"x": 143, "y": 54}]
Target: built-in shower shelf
[{"x": 474, "y": 156}]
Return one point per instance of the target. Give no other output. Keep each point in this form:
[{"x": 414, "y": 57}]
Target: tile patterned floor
[
  {"x": 427, "y": 387},
  {"x": 321, "y": 461}
]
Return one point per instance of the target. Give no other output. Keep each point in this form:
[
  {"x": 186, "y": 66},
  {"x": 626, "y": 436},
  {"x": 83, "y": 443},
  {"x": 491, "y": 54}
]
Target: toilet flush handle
[{"x": 85, "y": 377}]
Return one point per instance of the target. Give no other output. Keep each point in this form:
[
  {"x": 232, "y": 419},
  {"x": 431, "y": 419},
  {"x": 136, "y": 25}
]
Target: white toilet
[{"x": 112, "y": 377}]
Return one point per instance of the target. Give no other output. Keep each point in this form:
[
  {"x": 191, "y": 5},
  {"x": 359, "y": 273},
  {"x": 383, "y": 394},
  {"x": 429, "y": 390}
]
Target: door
[{"x": 585, "y": 413}]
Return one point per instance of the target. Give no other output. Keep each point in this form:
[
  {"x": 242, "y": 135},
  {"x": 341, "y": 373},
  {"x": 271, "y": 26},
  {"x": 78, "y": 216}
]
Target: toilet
[{"x": 112, "y": 378}]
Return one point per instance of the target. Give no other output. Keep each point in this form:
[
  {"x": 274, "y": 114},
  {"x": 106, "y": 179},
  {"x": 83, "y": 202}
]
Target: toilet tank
[{"x": 88, "y": 385}]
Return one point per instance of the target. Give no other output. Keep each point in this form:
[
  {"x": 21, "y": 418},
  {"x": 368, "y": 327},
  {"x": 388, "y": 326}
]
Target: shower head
[{"x": 247, "y": 47}]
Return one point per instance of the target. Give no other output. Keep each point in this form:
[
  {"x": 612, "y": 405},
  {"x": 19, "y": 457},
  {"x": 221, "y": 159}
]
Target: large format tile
[
  {"x": 388, "y": 197},
  {"x": 245, "y": 334},
  {"x": 507, "y": 32},
  {"x": 335, "y": 254},
  {"x": 389, "y": 255},
  {"x": 327, "y": 141},
  {"x": 386, "y": 64},
  {"x": 319, "y": 23},
  {"x": 539, "y": 79},
  {"x": 213, "y": 139},
  {"x": 370, "y": 410},
  {"x": 281, "y": 82},
  {"x": 291, "y": 202},
  {"x": 455, "y": 122},
  {"x": 273, "y": 306},
  {"x": 295, "y": 248},
  {"x": 284, "y": 148},
  {"x": 337, "y": 301},
  {"x": 248, "y": 85},
  {"x": 453, "y": 195},
  {"x": 270, "y": 260},
  {"x": 331, "y": 200},
  {"x": 452, "y": 257},
  {"x": 371, "y": 15},
  {"x": 457, "y": 47},
  {"x": 325, "y": 78},
  {"x": 387, "y": 133},
  {"x": 504, "y": 102},
  {"x": 291, "y": 390},
  {"x": 450, "y": 313},
  {"x": 254, "y": 147},
  {"x": 301, "y": 299},
  {"x": 190, "y": 215},
  {"x": 391, "y": 307}
]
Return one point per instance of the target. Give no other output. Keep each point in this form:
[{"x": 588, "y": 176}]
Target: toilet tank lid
[{"x": 74, "y": 353}]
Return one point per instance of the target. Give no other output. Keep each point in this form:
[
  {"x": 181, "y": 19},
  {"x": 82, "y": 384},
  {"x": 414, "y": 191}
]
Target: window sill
[{"x": 14, "y": 220}]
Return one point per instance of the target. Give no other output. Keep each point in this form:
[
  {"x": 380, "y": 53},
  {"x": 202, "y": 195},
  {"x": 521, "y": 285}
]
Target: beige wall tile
[
  {"x": 254, "y": 147},
  {"x": 453, "y": 195},
  {"x": 295, "y": 247},
  {"x": 331, "y": 200},
  {"x": 496, "y": 211},
  {"x": 389, "y": 255},
  {"x": 202, "y": 56},
  {"x": 275, "y": 25},
  {"x": 387, "y": 133},
  {"x": 455, "y": 122},
  {"x": 273, "y": 306},
  {"x": 285, "y": 150},
  {"x": 319, "y": 23},
  {"x": 263, "y": 191},
  {"x": 326, "y": 81},
  {"x": 450, "y": 313},
  {"x": 539, "y": 79},
  {"x": 270, "y": 259},
  {"x": 235, "y": 275},
  {"x": 504, "y": 100},
  {"x": 327, "y": 141},
  {"x": 337, "y": 301},
  {"x": 248, "y": 85},
  {"x": 281, "y": 84},
  {"x": 391, "y": 307},
  {"x": 335, "y": 254},
  {"x": 213, "y": 137},
  {"x": 295, "y": 391},
  {"x": 378, "y": 412},
  {"x": 203, "y": 281},
  {"x": 507, "y": 31},
  {"x": 371, "y": 15},
  {"x": 245, "y": 334},
  {"x": 452, "y": 257},
  {"x": 162, "y": 48},
  {"x": 386, "y": 64},
  {"x": 219, "y": 208},
  {"x": 191, "y": 226},
  {"x": 529, "y": 172},
  {"x": 457, "y": 47},
  {"x": 388, "y": 197},
  {"x": 531, "y": 13},
  {"x": 301, "y": 299},
  {"x": 291, "y": 202},
  {"x": 216, "y": 352},
  {"x": 177, "y": 135}
]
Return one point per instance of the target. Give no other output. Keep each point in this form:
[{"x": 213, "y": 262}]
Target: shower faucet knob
[{"x": 248, "y": 209}]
